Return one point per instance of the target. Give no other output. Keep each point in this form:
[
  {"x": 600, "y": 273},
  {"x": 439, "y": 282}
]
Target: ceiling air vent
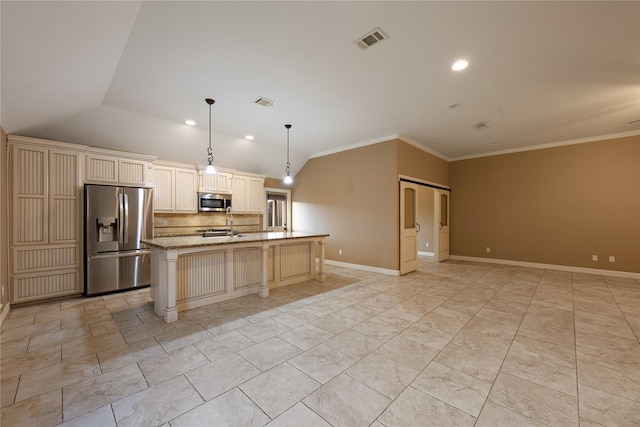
[
  {"x": 481, "y": 126},
  {"x": 371, "y": 38},
  {"x": 265, "y": 102}
]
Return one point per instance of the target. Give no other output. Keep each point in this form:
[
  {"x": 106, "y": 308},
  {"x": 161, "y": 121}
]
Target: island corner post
[{"x": 192, "y": 271}]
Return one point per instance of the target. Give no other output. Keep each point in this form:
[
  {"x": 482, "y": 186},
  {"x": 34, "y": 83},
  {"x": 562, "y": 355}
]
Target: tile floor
[{"x": 455, "y": 343}]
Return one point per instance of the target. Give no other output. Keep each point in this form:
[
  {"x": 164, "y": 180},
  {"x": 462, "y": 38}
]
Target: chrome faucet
[{"x": 229, "y": 222}]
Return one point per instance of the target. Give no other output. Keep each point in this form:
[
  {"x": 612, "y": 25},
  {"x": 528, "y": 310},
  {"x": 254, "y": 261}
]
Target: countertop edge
[{"x": 181, "y": 242}]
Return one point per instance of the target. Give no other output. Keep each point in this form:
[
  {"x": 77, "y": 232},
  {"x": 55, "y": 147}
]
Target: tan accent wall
[
  {"x": 276, "y": 183},
  {"x": 556, "y": 206},
  {"x": 419, "y": 164},
  {"x": 354, "y": 196},
  {"x": 4, "y": 234}
]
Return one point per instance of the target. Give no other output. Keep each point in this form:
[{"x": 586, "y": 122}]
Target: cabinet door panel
[
  {"x": 101, "y": 168},
  {"x": 163, "y": 189},
  {"x": 64, "y": 215},
  {"x": 29, "y": 195},
  {"x": 186, "y": 184},
  {"x": 132, "y": 172}
]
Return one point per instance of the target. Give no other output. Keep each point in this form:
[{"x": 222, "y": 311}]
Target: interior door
[
  {"x": 408, "y": 227},
  {"x": 441, "y": 204}
]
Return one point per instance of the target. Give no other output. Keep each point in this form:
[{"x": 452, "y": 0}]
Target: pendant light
[
  {"x": 288, "y": 179},
  {"x": 210, "y": 170}
]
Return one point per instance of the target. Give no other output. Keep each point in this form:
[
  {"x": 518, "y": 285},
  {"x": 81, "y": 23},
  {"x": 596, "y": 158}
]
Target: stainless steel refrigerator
[{"x": 116, "y": 219}]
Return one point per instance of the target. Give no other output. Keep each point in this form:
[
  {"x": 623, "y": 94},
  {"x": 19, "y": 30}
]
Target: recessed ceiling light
[
  {"x": 459, "y": 65},
  {"x": 190, "y": 123},
  {"x": 249, "y": 137}
]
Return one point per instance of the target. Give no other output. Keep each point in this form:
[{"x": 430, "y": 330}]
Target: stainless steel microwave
[{"x": 213, "y": 202}]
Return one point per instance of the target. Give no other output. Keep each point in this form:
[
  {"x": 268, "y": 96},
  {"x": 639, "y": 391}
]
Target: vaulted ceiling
[{"x": 126, "y": 75}]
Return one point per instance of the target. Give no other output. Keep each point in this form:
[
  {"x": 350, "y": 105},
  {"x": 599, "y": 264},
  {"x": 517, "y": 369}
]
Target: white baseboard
[
  {"x": 599, "y": 271},
  {"x": 363, "y": 267},
  {"x": 4, "y": 313},
  {"x": 431, "y": 254}
]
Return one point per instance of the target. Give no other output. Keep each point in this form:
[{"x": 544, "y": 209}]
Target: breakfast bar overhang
[{"x": 193, "y": 271}]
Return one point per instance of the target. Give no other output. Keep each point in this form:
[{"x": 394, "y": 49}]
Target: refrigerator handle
[
  {"x": 125, "y": 223},
  {"x": 121, "y": 215}
]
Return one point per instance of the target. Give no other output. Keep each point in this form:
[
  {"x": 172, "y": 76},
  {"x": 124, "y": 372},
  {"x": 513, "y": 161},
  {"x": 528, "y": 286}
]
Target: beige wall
[
  {"x": 556, "y": 206},
  {"x": 276, "y": 183},
  {"x": 419, "y": 164},
  {"x": 4, "y": 235},
  {"x": 354, "y": 196}
]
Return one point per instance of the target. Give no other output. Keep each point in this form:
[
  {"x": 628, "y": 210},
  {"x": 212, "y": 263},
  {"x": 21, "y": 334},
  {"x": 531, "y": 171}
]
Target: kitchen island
[{"x": 193, "y": 271}]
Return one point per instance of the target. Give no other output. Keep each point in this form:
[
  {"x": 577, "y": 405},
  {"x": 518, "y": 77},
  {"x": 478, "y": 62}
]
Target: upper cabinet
[
  {"x": 116, "y": 167},
  {"x": 219, "y": 182},
  {"x": 175, "y": 188},
  {"x": 248, "y": 193}
]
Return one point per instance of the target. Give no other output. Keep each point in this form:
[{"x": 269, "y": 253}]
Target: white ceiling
[{"x": 126, "y": 75}]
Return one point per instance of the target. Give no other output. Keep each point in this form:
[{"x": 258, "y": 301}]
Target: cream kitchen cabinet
[
  {"x": 45, "y": 219},
  {"x": 175, "y": 188},
  {"x": 219, "y": 182},
  {"x": 117, "y": 167},
  {"x": 248, "y": 193}
]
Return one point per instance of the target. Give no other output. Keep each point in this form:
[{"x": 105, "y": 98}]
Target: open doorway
[
  {"x": 429, "y": 203},
  {"x": 277, "y": 215}
]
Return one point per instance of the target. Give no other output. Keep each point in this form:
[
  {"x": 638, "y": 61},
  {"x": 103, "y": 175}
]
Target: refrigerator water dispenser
[{"x": 107, "y": 227}]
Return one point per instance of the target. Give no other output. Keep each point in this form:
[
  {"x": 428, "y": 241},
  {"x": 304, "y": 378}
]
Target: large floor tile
[
  {"x": 158, "y": 404},
  {"x": 354, "y": 343},
  {"x": 458, "y": 389},
  {"x": 279, "y": 389},
  {"x": 269, "y": 353},
  {"x": 231, "y": 409},
  {"x": 168, "y": 365},
  {"x": 408, "y": 352},
  {"x": 346, "y": 402},
  {"x": 541, "y": 372},
  {"x": 101, "y": 417},
  {"x": 43, "y": 410},
  {"x": 306, "y": 336},
  {"x": 607, "y": 408},
  {"x": 101, "y": 390},
  {"x": 494, "y": 415},
  {"x": 299, "y": 415},
  {"x": 469, "y": 361},
  {"x": 415, "y": 408},
  {"x": 322, "y": 363},
  {"x": 383, "y": 374},
  {"x": 217, "y": 377},
  {"x": 138, "y": 351},
  {"x": 222, "y": 345},
  {"x": 535, "y": 401},
  {"x": 54, "y": 377}
]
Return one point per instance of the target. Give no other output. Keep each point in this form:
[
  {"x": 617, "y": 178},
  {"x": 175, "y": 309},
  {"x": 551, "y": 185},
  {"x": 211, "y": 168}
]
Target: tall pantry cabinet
[{"x": 45, "y": 217}]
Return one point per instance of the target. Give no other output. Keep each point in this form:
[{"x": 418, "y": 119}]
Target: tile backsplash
[{"x": 168, "y": 224}]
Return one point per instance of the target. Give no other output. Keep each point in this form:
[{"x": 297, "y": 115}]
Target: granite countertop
[{"x": 180, "y": 242}]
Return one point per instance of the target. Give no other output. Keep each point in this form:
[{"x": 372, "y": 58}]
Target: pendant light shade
[
  {"x": 210, "y": 170},
  {"x": 288, "y": 179}
]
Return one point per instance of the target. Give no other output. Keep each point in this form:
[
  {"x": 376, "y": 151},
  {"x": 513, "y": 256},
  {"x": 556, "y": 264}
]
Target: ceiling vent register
[
  {"x": 481, "y": 126},
  {"x": 265, "y": 102},
  {"x": 371, "y": 38}
]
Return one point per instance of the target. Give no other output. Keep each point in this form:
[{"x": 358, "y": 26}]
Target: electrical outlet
[
  {"x": 612, "y": 259},
  {"x": 427, "y": 244},
  {"x": 488, "y": 249},
  {"x": 339, "y": 251},
  {"x": 594, "y": 257},
  {"x": 3, "y": 291}
]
